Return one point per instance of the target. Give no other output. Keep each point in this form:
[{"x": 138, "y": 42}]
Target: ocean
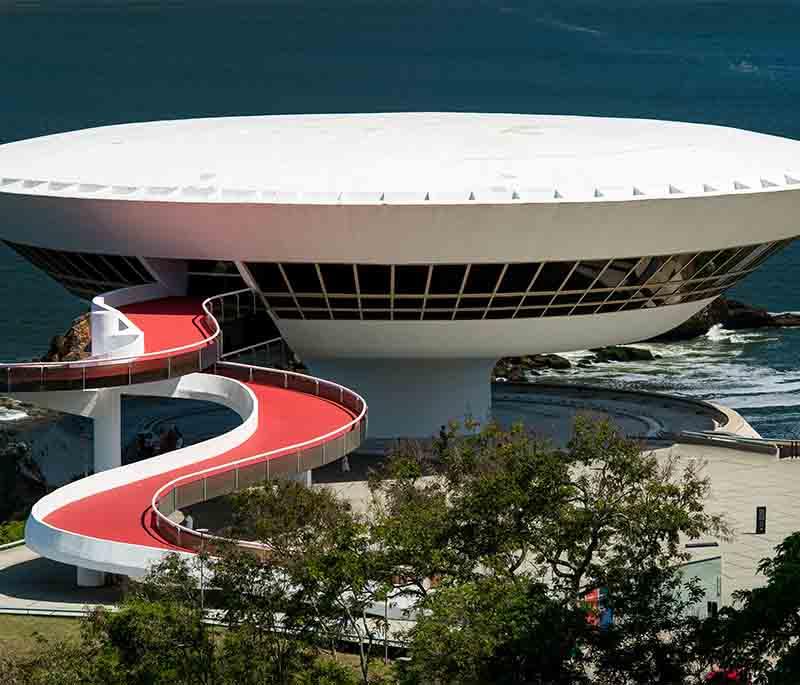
[{"x": 69, "y": 65}]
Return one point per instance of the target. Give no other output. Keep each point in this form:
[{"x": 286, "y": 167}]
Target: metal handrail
[
  {"x": 107, "y": 361},
  {"x": 103, "y": 372},
  {"x": 247, "y": 348},
  {"x": 163, "y": 492}
]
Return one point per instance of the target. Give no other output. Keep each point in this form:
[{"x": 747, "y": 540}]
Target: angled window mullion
[
  {"x": 391, "y": 292},
  {"x": 324, "y": 289},
  {"x": 667, "y": 261},
  {"x": 616, "y": 287},
  {"x": 138, "y": 267},
  {"x": 461, "y": 291},
  {"x": 591, "y": 286},
  {"x": 560, "y": 288},
  {"x": 91, "y": 267},
  {"x": 530, "y": 285},
  {"x": 427, "y": 290},
  {"x": 112, "y": 268},
  {"x": 733, "y": 258},
  {"x": 677, "y": 284},
  {"x": 719, "y": 269},
  {"x": 494, "y": 292},
  {"x": 51, "y": 268},
  {"x": 290, "y": 290},
  {"x": 358, "y": 293},
  {"x": 774, "y": 247}
]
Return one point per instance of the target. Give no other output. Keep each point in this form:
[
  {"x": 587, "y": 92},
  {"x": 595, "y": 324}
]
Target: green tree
[
  {"x": 504, "y": 506},
  {"x": 760, "y": 634},
  {"x": 322, "y": 554},
  {"x": 158, "y": 633},
  {"x": 267, "y": 631},
  {"x": 498, "y": 630}
]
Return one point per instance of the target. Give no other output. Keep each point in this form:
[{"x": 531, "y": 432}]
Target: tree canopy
[{"x": 495, "y": 556}]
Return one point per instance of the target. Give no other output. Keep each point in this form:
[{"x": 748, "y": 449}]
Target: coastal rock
[
  {"x": 786, "y": 320},
  {"x": 75, "y": 344},
  {"x": 740, "y": 315},
  {"x": 698, "y": 324},
  {"x": 730, "y": 314},
  {"x": 516, "y": 369},
  {"x": 622, "y": 354}
]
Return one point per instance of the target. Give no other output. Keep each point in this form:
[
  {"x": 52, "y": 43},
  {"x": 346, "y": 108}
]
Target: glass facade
[
  {"x": 207, "y": 277},
  {"x": 86, "y": 274},
  {"x": 431, "y": 292}
]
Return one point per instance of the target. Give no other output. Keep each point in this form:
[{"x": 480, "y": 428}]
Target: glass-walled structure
[{"x": 501, "y": 291}]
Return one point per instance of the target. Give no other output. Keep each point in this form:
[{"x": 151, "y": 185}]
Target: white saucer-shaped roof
[
  {"x": 400, "y": 188},
  {"x": 400, "y": 158}
]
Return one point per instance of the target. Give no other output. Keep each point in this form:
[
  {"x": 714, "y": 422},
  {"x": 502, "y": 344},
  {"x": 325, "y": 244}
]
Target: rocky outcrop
[
  {"x": 786, "y": 320},
  {"x": 730, "y": 314},
  {"x": 518, "y": 368},
  {"x": 617, "y": 353},
  {"x": 75, "y": 344},
  {"x": 740, "y": 315},
  {"x": 699, "y": 324}
]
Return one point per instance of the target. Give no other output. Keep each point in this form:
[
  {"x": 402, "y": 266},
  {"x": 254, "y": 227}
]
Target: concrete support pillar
[
  {"x": 413, "y": 398},
  {"x": 107, "y": 417},
  {"x": 90, "y": 578},
  {"x": 303, "y": 477}
]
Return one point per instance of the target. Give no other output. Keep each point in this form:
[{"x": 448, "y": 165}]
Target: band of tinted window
[
  {"x": 434, "y": 292},
  {"x": 86, "y": 274},
  {"x": 501, "y": 291}
]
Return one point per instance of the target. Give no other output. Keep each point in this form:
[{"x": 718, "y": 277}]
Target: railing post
[
  {"x": 316, "y": 383},
  {"x": 41, "y": 377},
  {"x": 83, "y": 374},
  {"x": 130, "y": 373},
  {"x": 236, "y": 479},
  {"x": 169, "y": 367},
  {"x": 205, "y": 489},
  {"x": 285, "y": 380}
]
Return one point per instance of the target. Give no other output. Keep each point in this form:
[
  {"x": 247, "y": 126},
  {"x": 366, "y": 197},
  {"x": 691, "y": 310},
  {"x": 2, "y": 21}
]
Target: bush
[{"x": 11, "y": 531}]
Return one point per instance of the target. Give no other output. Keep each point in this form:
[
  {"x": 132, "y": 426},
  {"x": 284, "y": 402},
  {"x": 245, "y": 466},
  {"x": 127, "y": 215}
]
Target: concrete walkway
[{"x": 31, "y": 584}]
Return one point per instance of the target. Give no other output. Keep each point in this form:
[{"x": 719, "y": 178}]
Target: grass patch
[{"x": 20, "y": 635}]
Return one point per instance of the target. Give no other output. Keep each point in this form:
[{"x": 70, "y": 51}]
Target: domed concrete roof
[{"x": 438, "y": 158}]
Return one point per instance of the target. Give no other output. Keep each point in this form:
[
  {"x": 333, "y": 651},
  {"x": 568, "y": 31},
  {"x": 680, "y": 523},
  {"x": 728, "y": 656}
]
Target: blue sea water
[{"x": 67, "y": 65}]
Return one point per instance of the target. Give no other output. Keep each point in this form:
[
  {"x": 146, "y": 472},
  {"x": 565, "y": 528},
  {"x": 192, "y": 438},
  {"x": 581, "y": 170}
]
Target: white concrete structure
[{"x": 401, "y": 254}]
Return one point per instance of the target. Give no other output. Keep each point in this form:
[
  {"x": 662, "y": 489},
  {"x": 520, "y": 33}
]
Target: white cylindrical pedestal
[
  {"x": 89, "y": 578},
  {"x": 107, "y": 420},
  {"x": 413, "y": 398}
]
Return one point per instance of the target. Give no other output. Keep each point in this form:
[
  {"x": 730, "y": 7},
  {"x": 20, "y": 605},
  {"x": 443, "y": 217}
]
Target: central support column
[
  {"x": 107, "y": 419},
  {"x": 413, "y": 398},
  {"x": 106, "y": 415}
]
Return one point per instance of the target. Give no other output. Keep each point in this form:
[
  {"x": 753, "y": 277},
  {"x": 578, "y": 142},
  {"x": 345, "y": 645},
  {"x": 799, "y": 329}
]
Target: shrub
[{"x": 11, "y": 531}]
